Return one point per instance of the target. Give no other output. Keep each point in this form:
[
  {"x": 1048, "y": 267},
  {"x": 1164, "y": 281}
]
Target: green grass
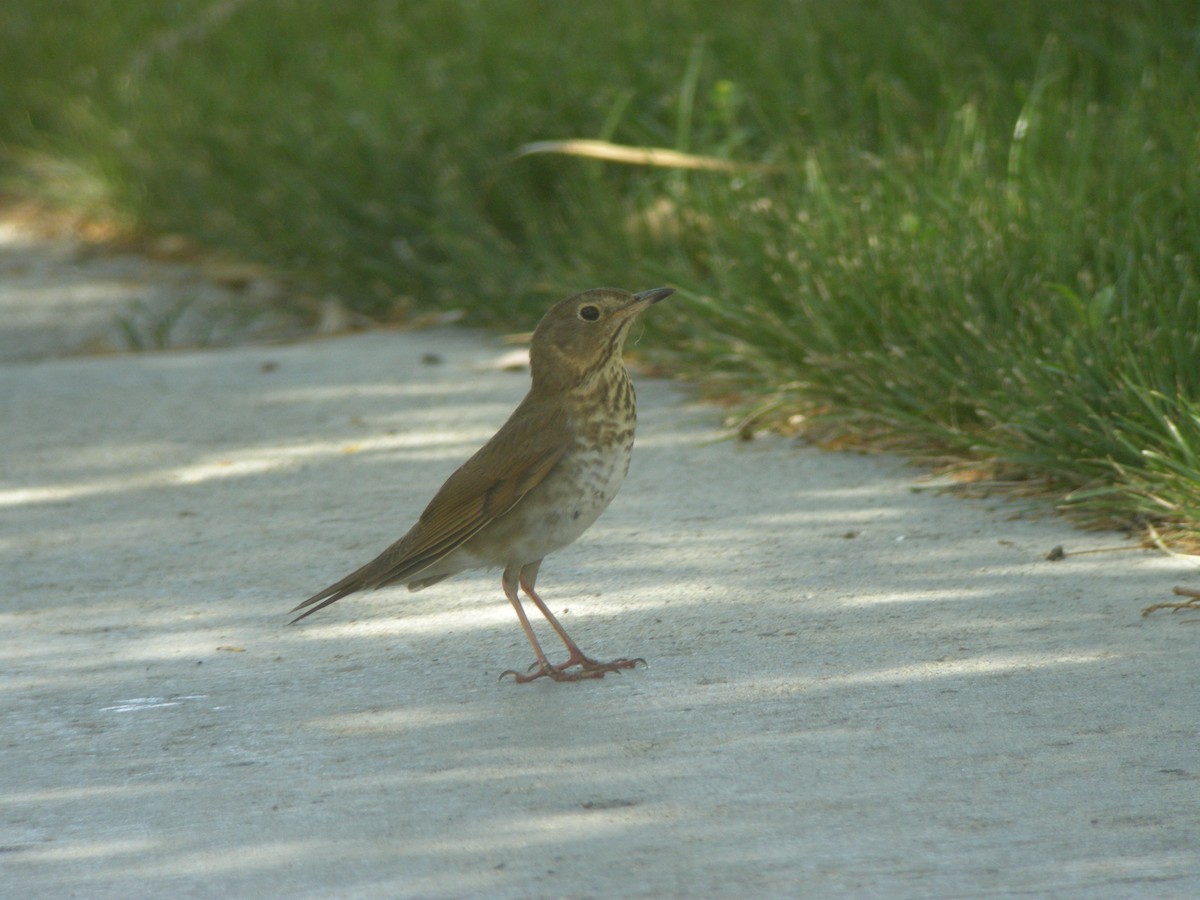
[{"x": 982, "y": 238}]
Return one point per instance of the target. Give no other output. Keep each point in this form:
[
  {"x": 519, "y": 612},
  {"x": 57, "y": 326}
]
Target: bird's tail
[
  {"x": 396, "y": 564},
  {"x": 355, "y": 581}
]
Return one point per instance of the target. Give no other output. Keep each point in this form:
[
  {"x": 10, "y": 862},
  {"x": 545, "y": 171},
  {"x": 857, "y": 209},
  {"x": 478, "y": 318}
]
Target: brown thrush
[{"x": 535, "y": 487}]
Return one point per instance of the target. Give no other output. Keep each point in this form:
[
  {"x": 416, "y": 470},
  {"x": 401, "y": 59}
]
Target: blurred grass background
[{"x": 977, "y": 235}]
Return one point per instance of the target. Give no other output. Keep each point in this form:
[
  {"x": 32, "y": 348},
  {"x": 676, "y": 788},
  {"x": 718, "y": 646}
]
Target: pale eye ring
[{"x": 589, "y": 313}]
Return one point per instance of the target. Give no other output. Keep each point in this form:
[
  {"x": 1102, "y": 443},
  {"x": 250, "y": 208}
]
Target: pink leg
[
  {"x": 588, "y": 667},
  {"x": 509, "y": 583}
]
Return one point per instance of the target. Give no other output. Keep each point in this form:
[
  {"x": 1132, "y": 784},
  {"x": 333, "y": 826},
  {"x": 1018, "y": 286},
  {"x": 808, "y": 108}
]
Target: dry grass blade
[{"x": 643, "y": 156}]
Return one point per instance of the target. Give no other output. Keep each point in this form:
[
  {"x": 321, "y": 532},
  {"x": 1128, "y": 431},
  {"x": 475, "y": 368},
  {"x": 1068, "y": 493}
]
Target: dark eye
[{"x": 589, "y": 313}]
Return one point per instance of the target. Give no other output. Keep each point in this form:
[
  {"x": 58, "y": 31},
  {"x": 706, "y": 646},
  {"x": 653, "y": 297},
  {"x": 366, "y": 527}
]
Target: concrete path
[{"x": 853, "y": 688}]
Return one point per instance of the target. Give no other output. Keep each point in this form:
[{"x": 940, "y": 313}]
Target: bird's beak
[{"x": 646, "y": 298}]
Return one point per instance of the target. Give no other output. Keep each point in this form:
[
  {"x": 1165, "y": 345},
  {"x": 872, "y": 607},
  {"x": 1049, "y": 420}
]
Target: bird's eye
[{"x": 589, "y": 313}]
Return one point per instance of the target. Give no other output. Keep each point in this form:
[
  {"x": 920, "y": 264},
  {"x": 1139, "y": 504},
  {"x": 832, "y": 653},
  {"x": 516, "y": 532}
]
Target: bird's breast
[
  {"x": 578, "y": 489},
  {"x": 567, "y": 503}
]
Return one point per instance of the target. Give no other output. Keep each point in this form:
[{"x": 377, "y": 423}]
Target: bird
[{"x": 539, "y": 483}]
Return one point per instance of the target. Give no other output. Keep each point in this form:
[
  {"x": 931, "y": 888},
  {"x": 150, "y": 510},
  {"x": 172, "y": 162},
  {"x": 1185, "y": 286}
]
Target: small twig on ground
[{"x": 1058, "y": 552}]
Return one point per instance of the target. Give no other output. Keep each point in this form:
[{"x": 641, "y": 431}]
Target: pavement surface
[{"x": 855, "y": 685}]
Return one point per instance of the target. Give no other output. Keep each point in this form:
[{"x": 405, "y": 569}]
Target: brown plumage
[{"x": 540, "y": 482}]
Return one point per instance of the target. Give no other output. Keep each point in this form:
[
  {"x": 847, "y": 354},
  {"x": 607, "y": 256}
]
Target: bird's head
[{"x": 585, "y": 334}]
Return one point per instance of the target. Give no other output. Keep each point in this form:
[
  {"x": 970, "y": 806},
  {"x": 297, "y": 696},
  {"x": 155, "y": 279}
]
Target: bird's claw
[
  {"x": 588, "y": 669},
  {"x": 1193, "y": 603}
]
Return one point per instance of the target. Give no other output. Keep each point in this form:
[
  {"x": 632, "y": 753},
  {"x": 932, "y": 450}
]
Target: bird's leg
[
  {"x": 1194, "y": 603},
  {"x": 509, "y": 583},
  {"x": 588, "y": 667}
]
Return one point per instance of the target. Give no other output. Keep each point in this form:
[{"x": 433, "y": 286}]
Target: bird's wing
[
  {"x": 471, "y": 498},
  {"x": 486, "y": 486}
]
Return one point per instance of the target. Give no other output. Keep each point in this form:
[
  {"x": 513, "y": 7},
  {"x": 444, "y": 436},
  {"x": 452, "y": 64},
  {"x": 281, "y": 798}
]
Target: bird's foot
[
  {"x": 1194, "y": 603},
  {"x": 587, "y": 669},
  {"x": 587, "y": 664}
]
